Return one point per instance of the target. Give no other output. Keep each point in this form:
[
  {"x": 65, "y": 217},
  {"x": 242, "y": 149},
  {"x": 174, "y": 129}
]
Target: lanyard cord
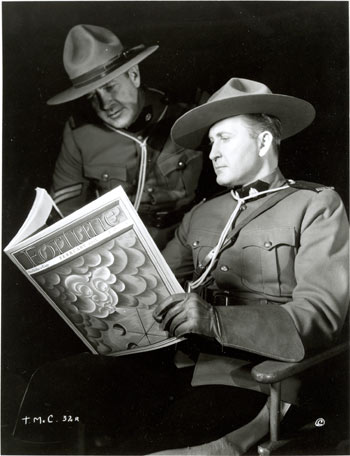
[
  {"x": 143, "y": 159},
  {"x": 213, "y": 254},
  {"x": 143, "y": 164}
]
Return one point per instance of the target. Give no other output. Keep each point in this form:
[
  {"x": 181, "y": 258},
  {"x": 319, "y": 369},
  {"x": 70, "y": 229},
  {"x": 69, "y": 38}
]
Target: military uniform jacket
[
  {"x": 287, "y": 270},
  {"x": 94, "y": 159}
]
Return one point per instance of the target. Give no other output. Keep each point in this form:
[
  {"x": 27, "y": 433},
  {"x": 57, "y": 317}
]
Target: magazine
[{"x": 100, "y": 270}]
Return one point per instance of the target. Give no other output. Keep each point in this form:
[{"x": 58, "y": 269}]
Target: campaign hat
[
  {"x": 93, "y": 56},
  {"x": 242, "y": 96}
]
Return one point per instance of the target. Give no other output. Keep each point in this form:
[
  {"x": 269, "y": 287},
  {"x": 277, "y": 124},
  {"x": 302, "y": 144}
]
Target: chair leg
[
  {"x": 275, "y": 410},
  {"x": 266, "y": 448}
]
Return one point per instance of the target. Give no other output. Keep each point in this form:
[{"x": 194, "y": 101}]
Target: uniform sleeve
[
  {"x": 321, "y": 297},
  {"x": 314, "y": 317},
  {"x": 178, "y": 254},
  {"x": 69, "y": 187}
]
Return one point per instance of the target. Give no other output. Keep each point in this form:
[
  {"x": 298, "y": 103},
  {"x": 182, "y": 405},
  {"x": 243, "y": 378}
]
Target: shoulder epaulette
[
  {"x": 305, "y": 185},
  {"x": 215, "y": 195},
  {"x": 199, "y": 202}
]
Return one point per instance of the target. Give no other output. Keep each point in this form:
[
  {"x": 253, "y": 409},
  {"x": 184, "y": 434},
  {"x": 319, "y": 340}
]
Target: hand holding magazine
[{"x": 99, "y": 269}]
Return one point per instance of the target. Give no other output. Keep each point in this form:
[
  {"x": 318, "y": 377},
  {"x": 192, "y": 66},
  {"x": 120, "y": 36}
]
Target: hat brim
[
  {"x": 74, "y": 93},
  {"x": 295, "y": 114}
]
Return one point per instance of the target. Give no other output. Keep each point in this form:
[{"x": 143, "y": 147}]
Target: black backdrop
[{"x": 296, "y": 48}]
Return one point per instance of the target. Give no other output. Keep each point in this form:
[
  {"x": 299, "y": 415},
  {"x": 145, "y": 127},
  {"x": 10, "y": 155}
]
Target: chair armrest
[{"x": 271, "y": 371}]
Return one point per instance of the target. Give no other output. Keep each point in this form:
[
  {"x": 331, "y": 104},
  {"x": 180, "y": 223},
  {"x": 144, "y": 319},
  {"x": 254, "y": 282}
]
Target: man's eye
[
  {"x": 110, "y": 87},
  {"x": 224, "y": 138}
]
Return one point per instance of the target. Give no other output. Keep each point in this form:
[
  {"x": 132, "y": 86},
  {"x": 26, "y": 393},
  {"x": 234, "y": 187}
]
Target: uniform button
[
  {"x": 268, "y": 244},
  {"x": 140, "y": 138},
  {"x": 244, "y": 207},
  {"x": 150, "y": 190},
  {"x": 224, "y": 268},
  {"x": 105, "y": 176},
  {"x": 181, "y": 165},
  {"x": 195, "y": 243},
  {"x": 148, "y": 117}
]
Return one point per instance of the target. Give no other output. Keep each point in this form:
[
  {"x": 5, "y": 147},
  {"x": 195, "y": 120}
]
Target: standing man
[{"x": 119, "y": 135}]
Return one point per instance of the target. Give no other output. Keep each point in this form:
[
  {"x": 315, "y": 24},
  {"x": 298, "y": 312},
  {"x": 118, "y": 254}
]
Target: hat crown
[
  {"x": 237, "y": 87},
  {"x": 88, "y": 47}
]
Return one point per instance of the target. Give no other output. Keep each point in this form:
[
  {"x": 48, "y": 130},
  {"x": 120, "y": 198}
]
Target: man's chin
[
  {"x": 223, "y": 182},
  {"x": 118, "y": 123}
]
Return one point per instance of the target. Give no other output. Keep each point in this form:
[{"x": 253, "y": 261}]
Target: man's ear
[
  {"x": 134, "y": 75},
  {"x": 265, "y": 139}
]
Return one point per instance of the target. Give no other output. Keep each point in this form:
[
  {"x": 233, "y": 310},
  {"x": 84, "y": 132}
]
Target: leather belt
[
  {"x": 219, "y": 297},
  {"x": 163, "y": 219}
]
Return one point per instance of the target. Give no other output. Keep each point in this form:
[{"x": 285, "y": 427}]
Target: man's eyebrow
[
  {"x": 113, "y": 81},
  {"x": 219, "y": 133}
]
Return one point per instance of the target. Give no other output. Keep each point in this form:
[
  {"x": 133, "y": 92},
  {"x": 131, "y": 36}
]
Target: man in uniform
[
  {"x": 270, "y": 260},
  {"x": 275, "y": 286},
  {"x": 119, "y": 134}
]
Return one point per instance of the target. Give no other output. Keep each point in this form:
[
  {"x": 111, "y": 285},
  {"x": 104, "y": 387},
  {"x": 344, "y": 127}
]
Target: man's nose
[
  {"x": 214, "y": 151},
  {"x": 104, "y": 99}
]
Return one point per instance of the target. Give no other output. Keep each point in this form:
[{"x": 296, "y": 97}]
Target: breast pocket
[
  {"x": 182, "y": 170},
  {"x": 202, "y": 242},
  {"x": 267, "y": 259},
  {"x": 107, "y": 177}
]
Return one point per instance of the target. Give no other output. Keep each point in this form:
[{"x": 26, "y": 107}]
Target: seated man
[
  {"x": 270, "y": 260},
  {"x": 119, "y": 134}
]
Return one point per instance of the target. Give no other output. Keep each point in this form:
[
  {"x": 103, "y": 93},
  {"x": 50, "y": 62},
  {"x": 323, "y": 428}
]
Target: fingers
[
  {"x": 167, "y": 304},
  {"x": 182, "y": 318},
  {"x": 183, "y": 313},
  {"x": 173, "y": 312}
]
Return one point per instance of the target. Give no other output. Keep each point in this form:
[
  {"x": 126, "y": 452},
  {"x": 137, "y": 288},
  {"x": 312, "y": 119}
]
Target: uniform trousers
[{"x": 143, "y": 402}]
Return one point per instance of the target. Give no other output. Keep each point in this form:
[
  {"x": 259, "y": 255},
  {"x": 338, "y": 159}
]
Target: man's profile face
[
  {"x": 234, "y": 152},
  {"x": 117, "y": 102}
]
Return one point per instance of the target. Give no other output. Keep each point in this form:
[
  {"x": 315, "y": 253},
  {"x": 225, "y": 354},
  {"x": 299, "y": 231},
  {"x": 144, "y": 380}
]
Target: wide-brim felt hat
[
  {"x": 242, "y": 96},
  {"x": 92, "y": 56}
]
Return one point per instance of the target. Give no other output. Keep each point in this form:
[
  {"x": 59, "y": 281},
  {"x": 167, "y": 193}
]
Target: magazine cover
[{"x": 99, "y": 269}]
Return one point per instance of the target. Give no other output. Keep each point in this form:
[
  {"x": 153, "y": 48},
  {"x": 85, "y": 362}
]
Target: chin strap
[{"x": 212, "y": 256}]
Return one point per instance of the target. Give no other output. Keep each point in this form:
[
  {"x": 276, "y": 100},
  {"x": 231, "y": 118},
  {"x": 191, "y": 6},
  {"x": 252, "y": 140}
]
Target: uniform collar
[
  {"x": 275, "y": 179},
  {"x": 153, "y": 106}
]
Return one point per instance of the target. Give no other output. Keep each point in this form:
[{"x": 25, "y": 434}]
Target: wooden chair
[{"x": 273, "y": 372}]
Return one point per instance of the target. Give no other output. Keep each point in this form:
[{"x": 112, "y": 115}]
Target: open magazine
[{"x": 99, "y": 269}]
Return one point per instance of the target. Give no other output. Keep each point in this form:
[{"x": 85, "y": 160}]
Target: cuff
[{"x": 266, "y": 330}]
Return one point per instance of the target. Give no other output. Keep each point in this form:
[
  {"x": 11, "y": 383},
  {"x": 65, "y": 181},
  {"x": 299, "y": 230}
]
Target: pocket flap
[
  {"x": 202, "y": 238},
  {"x": 269, "y": 239},
  {"x": 177, "y": 161},
  {"x": 106, "y": 172}
]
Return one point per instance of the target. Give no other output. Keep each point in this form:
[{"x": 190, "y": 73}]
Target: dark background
[{"x": 296, "y": 48}]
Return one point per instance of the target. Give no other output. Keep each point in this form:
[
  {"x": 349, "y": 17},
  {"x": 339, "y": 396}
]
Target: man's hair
[{"x": 258, "y": 123}]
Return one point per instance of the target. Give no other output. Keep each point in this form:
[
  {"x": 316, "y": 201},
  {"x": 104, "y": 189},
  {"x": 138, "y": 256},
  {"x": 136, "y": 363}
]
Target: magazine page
[
  {"x": 42, "y": 212},
  {"x": 102, "y": 272}
]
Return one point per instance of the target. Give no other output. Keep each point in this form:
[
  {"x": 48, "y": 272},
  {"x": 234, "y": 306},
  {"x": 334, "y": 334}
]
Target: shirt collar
[{"x": 275, "y": 179}]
